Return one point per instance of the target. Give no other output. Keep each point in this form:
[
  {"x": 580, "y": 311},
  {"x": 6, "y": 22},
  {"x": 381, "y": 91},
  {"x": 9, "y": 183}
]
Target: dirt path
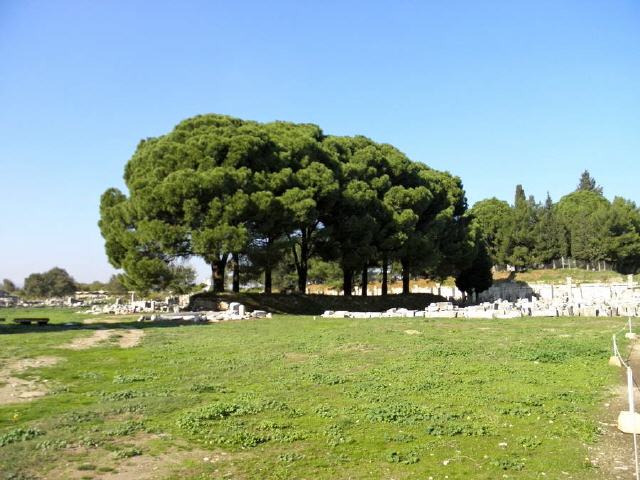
[
  {"x": 177, "y": 458},
  {"x": 14, "y": 389},
  {"x": 125, "y": 338},
  {"x": 613, "y": 454}
]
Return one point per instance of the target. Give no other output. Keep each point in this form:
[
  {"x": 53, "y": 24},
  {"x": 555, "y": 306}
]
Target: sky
[{"x": 497, "y": 92}]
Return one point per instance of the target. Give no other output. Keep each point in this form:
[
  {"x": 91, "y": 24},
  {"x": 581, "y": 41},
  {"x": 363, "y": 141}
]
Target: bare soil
[
  {"x": 613, "y": 455},
  {"x": 174, "y": 460},
  {"x": 126, "y": 339},
  {"x": 14, "y": 389}
]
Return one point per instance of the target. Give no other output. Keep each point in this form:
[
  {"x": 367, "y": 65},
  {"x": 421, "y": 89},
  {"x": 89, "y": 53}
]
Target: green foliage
[
  {"x": 183, "y": 279},
  {"x": 8, "y": 286},
  {"x": 326, "y": 379},
  {"x": 127, "y": 453},
  {"x": 492, "y": 217},
  {"x": 408, "y": 458},
  {"x": 588, "y": 184},
  {"x": 509, "y": 462},
  {"x": 217, "y": 186},
  {"x": 550, "y": 236},
  {"x": 19, "y": 435},
  {"x": 478, "y": 276},
  {"x": 583, "y": 225},
  {"x": 53, "y": 283},
  {"x": 123, "y": 379},
  {"x": 198, "y": 419},
  {"x": 335, "y": 435},
  {"x": 126, "y": 429},
  {"x": 290, "y": 457},
  {"x": 207, "y": 388},
  {"x": 558, "y": 351},
  {"x": 520, "y": 241}
]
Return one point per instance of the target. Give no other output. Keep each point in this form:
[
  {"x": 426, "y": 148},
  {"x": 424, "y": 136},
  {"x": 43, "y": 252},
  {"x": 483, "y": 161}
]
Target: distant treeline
[
  {"x": 57, "y": 282},
  {"x": 583, "y": 225}
]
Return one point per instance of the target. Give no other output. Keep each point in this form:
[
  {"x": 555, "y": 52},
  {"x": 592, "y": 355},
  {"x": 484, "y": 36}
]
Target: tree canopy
[
  {"x": 8, "y": 286},
  {"x": 583, "y": 225},
  {"x": 53, "y": 283},
  {"x": 588, "y": 184},
  {"x": 236, "y": 192}
]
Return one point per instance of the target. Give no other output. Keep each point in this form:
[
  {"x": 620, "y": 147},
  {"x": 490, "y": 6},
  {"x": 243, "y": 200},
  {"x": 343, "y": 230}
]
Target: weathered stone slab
[{"x": 544, "y": 312}]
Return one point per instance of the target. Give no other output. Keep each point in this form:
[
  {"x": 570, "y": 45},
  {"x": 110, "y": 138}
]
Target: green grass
[
  {"x": 55, "y": 315},
  {"x": 560, "y": 275},
  {"x": 291, "y": 397}
]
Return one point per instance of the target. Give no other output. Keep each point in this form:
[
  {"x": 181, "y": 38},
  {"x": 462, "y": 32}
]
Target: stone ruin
[
  {"x": 235, "y": 311},
  {"x": 625, "y": 307}
]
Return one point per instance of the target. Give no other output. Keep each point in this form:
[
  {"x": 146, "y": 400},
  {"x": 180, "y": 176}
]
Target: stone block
[
  {"x": 629, "y": 422},
  {"x": 614, "y": 361},
  {"x": 544, "y": 312},
  {"x": 478, "y": 314},
  {"x": 508, "y": 314}
]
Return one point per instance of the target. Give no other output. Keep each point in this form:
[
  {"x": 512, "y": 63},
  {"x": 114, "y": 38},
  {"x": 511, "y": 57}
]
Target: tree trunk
[
  {"x": 267, "y": 279},
  {"x": 347, "y": 281},
  {"x": 405, "y": 278},
  {"x": 303, "y": 267},
  {"x": 267, "y": 267},
  {"x": 385, "y": 262},
  {"x": 365, "y": 280},
  {"x": 302, "y": 279},
  {"x": 217, "y": 273},
  {"x": 236, "y": 273}
]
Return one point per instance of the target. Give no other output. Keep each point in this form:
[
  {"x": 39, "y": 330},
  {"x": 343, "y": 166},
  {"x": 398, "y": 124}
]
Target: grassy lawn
[
  {"x": 291, "y": 397},
  {"x": 559, "y": 276}
]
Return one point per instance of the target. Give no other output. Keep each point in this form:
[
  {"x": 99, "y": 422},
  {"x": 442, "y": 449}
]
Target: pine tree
[
  {"x": 550, "y": 241},
  {"x": 588, "y": 183},
  {"x": 520, "y": 232}
]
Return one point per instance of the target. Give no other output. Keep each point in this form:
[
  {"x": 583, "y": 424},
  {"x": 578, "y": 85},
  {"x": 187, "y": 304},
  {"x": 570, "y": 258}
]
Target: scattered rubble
[
  {"x": 119, "y": 307},
  {"x": 503, "y": 309},
  {"x": 235, "y": 311}
]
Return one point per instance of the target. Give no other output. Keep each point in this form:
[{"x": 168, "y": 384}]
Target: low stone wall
[
  {"x": 504, "y": 309},
  {"x": 566, "y": 292}
]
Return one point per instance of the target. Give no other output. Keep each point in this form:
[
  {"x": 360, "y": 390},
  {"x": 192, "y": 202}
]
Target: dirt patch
[
  {"x": 16, "y": 390},
  {"x": 175, "y": 458},
  {"x": 90, "y": 321},
  {"x": 412, "y": 332},
  {"x": 83, "y": 343},
  {"x": 613, "y": 454},
  {"x": 297, "y": 356},
  {"x": 131, "y": 338},
  {"x": 125, "y": 339},
  {"x": 356, "y": 347}
]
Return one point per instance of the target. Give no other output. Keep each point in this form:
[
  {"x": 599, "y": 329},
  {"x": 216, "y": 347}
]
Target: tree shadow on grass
[{"x": 12, "y": 328}]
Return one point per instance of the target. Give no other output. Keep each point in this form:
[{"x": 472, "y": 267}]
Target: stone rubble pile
[
  {"x": 139, "y": 306},
  {"x": 236, "y": 311},
  {"x": 504, "y": 309},
  {"x": 119, "y": 307}
]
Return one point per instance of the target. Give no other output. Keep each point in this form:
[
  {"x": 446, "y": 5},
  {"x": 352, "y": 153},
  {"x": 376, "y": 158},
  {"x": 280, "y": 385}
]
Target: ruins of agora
[{"x": 508, "y": 299}]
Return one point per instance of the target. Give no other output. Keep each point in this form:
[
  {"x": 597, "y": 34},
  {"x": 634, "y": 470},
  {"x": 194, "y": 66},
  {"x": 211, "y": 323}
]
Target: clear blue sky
[{"x": 497, "y": 92}]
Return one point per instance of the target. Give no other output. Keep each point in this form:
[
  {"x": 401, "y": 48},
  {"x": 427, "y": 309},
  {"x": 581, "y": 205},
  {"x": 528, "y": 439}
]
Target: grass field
[
  {"x": 559, "y": 276},
  {"x": 291, "y": 397}
]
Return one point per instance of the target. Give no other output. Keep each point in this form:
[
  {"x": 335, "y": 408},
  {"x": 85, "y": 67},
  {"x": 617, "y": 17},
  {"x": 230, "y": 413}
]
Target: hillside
[
  {"x": 312, "y": 304},
  {"x": 560, "y": 276}
]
